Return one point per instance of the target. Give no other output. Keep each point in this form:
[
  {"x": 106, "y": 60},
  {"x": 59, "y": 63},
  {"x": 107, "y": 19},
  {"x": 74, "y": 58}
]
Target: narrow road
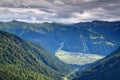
[{"x": 66, "y": 77}]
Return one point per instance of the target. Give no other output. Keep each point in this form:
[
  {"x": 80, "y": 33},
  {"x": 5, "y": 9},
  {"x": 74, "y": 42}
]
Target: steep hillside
[
  {"x": 21, "y": 54},
  {"x": 12, "y": 72},
  {"x": 83, "y": 38},
  {"x": 105, "y": 69}
]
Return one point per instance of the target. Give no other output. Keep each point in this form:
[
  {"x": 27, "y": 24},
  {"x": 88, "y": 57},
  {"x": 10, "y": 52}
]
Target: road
[{"x": 66, "y": 77}]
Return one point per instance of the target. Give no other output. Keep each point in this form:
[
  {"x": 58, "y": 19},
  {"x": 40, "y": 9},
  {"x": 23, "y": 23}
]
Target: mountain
[
  {"x": 94, "y": 40},
  {"x": 23, "y": 60},
  {"x": 11, "y": 72},
  {"x": 105, "y": 69}
]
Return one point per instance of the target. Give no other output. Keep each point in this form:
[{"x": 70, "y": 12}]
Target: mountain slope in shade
[
  {"x": 22, "y": 54},
  {"x": 100, "y": 35},
  {"x": 87, "y": 38},
  {"x": 105, "y": 69}
]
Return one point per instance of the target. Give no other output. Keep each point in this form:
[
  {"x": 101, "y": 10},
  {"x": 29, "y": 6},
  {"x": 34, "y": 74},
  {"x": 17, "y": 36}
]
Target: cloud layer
[{"x": 62, "y": 11}]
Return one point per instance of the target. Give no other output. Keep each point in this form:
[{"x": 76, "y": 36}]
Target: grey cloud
[
  {"x": 48, "y": 10},
  {"x": 59, "y": 3},
  {"x": 61, "y": 10}
]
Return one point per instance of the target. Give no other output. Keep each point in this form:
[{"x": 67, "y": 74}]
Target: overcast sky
[{"x": 63, "y": 11}]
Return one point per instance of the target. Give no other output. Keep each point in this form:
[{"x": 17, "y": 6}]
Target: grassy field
[{"x": 77, "y": 58}]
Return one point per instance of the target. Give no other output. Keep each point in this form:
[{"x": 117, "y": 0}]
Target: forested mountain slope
[
  {"x": 94, "y": 40},
  {"x": 100, "y": 35},
  {"x": 25, "y": 57},
  {"x": 105, "y": 69}
]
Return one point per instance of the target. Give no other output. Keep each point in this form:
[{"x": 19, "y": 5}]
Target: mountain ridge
[
  {"x": 17, "y": 52},
  {"x": 105, "y": 69},
  {"x": 88, "y": 38}
]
